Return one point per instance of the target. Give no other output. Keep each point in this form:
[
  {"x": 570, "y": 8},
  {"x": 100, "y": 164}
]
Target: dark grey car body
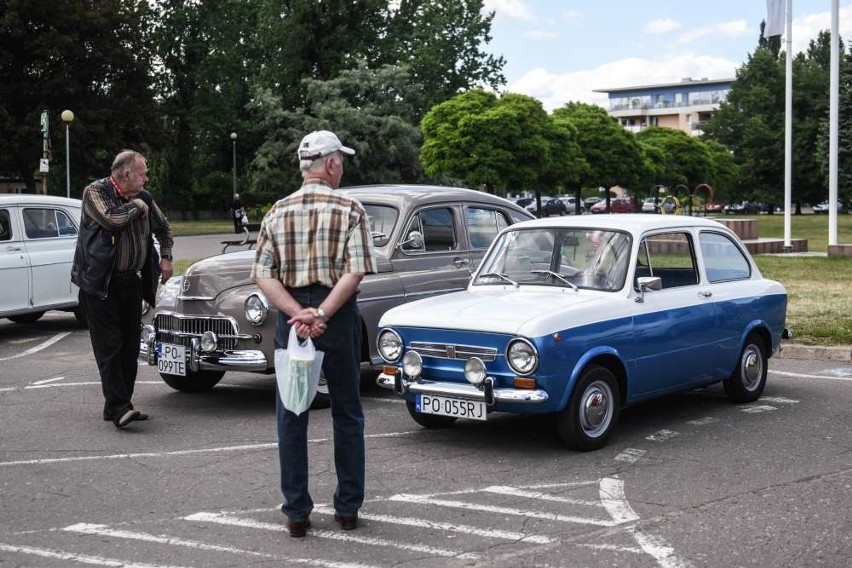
[{"x": 455, "y": 228}]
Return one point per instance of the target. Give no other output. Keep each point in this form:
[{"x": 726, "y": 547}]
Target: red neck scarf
[{"x": 117, "y": 188}]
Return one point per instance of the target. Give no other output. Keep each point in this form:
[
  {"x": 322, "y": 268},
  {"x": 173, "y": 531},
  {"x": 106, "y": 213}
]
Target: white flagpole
[
  {"x": 788, "y": 132},
  {"x": 833, "y": 123}
]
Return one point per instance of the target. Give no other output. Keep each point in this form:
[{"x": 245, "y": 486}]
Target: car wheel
[
  {"x": 431, "y": 421},
  {"x": 321, "y": 399},
  {"x": 592, "y": 412},
  {"x": 749, "y": 379},
  {"x": 194, "y": 381},
  {"x": 27, "y": 318}
]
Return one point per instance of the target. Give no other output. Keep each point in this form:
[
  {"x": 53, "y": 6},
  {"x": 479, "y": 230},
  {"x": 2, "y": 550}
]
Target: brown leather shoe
[
  {"x": 347, "y": 522},
  {"x": 298, "y": 529}
]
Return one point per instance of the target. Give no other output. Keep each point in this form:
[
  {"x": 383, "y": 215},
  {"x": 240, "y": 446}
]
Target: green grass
[{"x": 819, "y": 311}]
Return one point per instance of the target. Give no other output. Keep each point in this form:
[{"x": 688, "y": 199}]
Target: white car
[
  {"x": 38, "y": 235},
  {"x": 651, "y": 205},
  {"x": 571, "y": 204}
]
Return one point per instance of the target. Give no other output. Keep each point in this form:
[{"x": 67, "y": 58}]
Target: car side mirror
[
  {"x": 414, "y": 240},
  {"x": 647, "y": 283}
]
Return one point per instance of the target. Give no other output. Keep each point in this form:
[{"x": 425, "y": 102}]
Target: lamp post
[
  {"x": 67, "y": 116},
  {"x": 234, "y": 144}
]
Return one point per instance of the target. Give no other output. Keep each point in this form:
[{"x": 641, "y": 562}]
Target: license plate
[
  {"x": 457, "y": 408},
  {"x": 171, "y": 359}
]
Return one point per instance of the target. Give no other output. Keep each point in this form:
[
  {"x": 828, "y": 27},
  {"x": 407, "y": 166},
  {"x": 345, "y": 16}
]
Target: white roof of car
[
  {"x": 36, "y": 199},
  {"x": 633, "y": 222}
]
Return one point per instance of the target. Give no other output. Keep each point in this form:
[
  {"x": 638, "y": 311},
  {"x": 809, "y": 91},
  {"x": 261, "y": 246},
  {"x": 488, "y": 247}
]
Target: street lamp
[
  {"x": 67, "y": 116},
  {"x": 234, "y": 144}
]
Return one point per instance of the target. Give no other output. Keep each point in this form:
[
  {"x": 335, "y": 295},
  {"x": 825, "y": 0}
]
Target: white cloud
[
  {"x": 509, "y": 9},
  {"x": 554, "y": 90},
  {"x": 737, "y": 28},
  {"x": 661, "y": 26},
  {"x": 540, "y": 34}
]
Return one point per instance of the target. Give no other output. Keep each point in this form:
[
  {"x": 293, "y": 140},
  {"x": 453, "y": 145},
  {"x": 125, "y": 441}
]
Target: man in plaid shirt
[{"x": 313, "y": 249}]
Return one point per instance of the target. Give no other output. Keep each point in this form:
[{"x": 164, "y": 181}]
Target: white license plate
[
  {"x": 171, "y": 359},
  {"x": 457, "y": 408}
]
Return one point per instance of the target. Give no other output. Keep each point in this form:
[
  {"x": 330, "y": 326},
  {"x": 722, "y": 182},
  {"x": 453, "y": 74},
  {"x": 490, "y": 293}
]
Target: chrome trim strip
[
  {"x": 199, "y": 298},
  {"x": 467, "y": 392},
  {"x": 452, "y": 351}
]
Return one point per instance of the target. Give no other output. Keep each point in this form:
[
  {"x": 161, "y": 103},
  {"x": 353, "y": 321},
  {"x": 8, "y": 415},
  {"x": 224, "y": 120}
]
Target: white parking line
[
  {"x": 103, "y": 530},
  {"x": 662, "y": 436},
  {"x": 837, "y": 377},
  {"x": 515, "y": 492},
  {"x": 335, "y": 535},
  {"x": 38, "y": 347},
  {"x": 81, "y": 558}
]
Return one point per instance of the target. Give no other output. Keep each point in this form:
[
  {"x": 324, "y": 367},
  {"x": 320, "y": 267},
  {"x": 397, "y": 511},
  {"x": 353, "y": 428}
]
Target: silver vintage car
[{"x": 214, "y": 319}]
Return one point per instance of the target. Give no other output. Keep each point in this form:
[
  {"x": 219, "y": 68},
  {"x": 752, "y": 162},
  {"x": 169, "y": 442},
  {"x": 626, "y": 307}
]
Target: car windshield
[
  {"x": 382, "y": 220},
  {"x": 573, "y": 258}
]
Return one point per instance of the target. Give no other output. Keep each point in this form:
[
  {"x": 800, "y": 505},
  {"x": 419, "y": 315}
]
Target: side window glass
[
  {"x": 40, "y": 223},
  {"x": 436, "y": 231},
  {"x": 5, "y": 226},
  {"x": 670, "y": 257},
  {"x": 65, "y": 224},
  {"x": 483, "y": 225},
  {"x": 722, "y": 258}
]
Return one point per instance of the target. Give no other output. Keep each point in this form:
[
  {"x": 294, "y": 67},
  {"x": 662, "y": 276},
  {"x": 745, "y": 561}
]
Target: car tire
[
  {"x": 194, "y": 381},
  {"x": 592, "y": 411},
  {"x": 27, "y": 318},
  {"x": 431, "y": 421},
  {"x": 749, "y": 378},
  {"x": 321, "y": 399}
]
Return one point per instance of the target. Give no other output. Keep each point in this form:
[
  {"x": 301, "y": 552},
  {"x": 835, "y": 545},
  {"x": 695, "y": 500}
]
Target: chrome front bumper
[
  {"x": 491, "y": 395},
  {"x": 249, "y": 360}
]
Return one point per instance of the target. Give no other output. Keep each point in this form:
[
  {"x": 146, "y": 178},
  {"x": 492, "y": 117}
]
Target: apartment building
[{"x": 683, "y": 105}]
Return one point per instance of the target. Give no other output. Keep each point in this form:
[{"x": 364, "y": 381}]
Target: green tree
[
  {"x": 687, "y": 160},
  {"x": 93, "y": 58},
  {"x": 371, "y": 111}
]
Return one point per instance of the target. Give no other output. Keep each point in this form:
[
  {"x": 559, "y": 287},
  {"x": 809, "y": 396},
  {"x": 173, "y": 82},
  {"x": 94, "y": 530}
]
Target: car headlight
[
  {"x": 412, "y": 364},
  {"x": 209, "y": 340},
  {"x": 474, "y": 371},
  {"x": 256, "y": 308},
  {"x": 389, "y": 344},
  {"x": 522, "y": 356}
]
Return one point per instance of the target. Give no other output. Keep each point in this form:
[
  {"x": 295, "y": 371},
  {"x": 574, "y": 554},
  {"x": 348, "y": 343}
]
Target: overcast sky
[{"x": 561, "y": 50}]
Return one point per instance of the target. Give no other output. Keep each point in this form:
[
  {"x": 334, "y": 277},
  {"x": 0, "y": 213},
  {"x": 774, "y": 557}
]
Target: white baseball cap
[{"x": 321, "y": 143}]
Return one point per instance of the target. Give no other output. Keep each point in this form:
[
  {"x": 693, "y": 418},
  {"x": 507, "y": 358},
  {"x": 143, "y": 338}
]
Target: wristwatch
[{"x": 322, "y": 314}]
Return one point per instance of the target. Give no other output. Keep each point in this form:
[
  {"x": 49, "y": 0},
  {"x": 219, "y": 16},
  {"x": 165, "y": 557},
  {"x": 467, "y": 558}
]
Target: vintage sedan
[
  {"x": 38, "y": 235},
  {"x": 582, "y": 316},
  {"x": 214, "y": 319}
]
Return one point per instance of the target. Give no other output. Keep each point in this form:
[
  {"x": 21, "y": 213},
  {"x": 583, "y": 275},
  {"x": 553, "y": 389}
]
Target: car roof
[
  {"x": 37, "y": 199},
  {"x": 633, "y": 222},
  {"x": 400, "y": 194}
]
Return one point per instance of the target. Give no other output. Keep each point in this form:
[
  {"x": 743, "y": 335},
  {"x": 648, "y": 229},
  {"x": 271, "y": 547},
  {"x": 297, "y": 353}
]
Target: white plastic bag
[{"x": 297, "y": 370}]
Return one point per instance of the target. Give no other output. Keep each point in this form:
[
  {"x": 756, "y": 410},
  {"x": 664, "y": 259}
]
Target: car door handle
[
  {"x": 705, "y": 294},
  {"x": 11, "y": 248},
  {"x": 459, "y": 262}
]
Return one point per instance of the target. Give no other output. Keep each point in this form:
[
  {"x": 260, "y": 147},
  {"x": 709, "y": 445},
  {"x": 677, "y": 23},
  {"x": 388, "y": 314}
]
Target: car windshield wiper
[
  {"x": 500, "y": 276},
  {"x": 556, "y": 275}
]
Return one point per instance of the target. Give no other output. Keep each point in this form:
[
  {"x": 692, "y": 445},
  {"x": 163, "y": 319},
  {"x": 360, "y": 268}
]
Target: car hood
[
  {"x": 216, "y": 274},
  {"x": 528, "y": 310}
]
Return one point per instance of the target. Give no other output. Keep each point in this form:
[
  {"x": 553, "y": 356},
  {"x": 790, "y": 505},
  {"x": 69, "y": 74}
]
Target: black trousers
[{"x": 114, "y": 326}]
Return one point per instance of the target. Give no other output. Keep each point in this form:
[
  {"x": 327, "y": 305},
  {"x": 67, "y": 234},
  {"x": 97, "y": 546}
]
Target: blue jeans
[{"x": 341, "y": 343}]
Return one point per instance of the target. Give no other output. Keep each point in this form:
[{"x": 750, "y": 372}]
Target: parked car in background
[
  {"x": 589, "y": 201},
  {"x": 712, "y": 207},
  {"x": 651, "y": 205},
  {"x": 532, "y": 205},
  {"x": 570, "y": 203},
  {"x": 553, "y": 206},
  {"x": 742, "y": 208},
  {"x": 824, "y": 207},
  {"x": 616, "y": 205},
  {"x": 214, "y": 319},
  {"x": 581, "y": 316},
  {"x": 38, "y": 235}
]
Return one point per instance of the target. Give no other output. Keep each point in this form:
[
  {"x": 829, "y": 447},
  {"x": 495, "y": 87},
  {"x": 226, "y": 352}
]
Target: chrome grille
[
  {"x": 180, "y": 329},
  {"x": 449, "y": 351}
]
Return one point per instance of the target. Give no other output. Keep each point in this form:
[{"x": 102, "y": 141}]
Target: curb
[{"x": 794, "y": 351}]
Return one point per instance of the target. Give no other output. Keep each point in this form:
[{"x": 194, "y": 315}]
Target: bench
[{"x": 248, "y": 240}]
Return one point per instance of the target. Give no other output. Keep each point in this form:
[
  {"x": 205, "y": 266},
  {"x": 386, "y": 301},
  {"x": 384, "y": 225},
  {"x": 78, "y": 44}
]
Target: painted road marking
[
  {"x": 515, "y": 492},
  {"x": 778, "y": 400},
  {"x": 662, "y": 436},
  {"x": 758, "y": 409},
  {"x": 335, "y": 535},
  {"x": 834, "y": 375},
  {"x": 81, "y": 558},
  {"x": 103, "y": 530},
  {"x": 630, "y": 455},
  {"x": 703, "y": 421},
  {"x": 37, "y": 348}
]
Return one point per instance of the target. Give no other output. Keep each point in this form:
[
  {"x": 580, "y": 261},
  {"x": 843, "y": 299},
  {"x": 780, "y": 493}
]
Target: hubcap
[
  {"x": 752, "y": 366},
  {"x": 595, "y": 412}
]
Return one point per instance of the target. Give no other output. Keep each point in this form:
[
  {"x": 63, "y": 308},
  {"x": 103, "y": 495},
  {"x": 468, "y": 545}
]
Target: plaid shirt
[{"x": 314, "y": 236}]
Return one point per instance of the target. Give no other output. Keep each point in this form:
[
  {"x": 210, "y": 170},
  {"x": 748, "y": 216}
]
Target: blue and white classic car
[{"x": 581, "y": 316}]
